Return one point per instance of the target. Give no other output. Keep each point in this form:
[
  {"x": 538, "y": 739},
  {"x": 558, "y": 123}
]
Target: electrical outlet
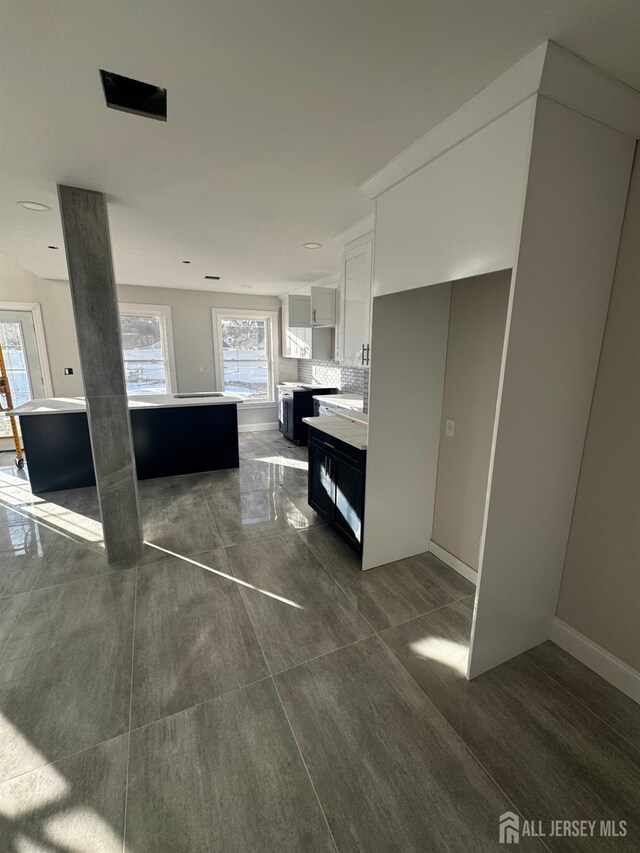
[
  {"x": 449, "y": 428},
  {"x": 201, "y": 368}
]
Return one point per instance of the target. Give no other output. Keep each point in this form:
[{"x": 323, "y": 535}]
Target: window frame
[
  {"x": 163, "y": 313},
  {"x": 218, "y": 314}
]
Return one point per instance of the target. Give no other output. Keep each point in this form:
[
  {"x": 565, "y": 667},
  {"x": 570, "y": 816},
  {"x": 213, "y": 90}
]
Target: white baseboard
[
  {"x": 454, "y": 563},
  {"x": 611, "y": 668},
  {"x": 256, "y": 427}
]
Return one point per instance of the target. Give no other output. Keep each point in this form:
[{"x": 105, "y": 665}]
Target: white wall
[
  {"x": 474, "y": 357},
  {"x": 19, "y": 285},
  {"x": 192, "y": 330},
  {"x": 193, "y": 337},
  {"x": 460, "y": 214},
  {"x": 600, "y": 595},
  {"x": 578, "y": 180},
  {"x": 405, "y": 405}
]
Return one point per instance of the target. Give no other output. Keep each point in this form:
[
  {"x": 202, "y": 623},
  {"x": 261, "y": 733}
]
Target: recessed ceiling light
[
  {"x": 312, "y": 245},
  {"x": 33, "y": 205},
  {"x": 53, "y": 247},
  {"x": 186, "y": 262},
  {"x": 246, "y": 286}
]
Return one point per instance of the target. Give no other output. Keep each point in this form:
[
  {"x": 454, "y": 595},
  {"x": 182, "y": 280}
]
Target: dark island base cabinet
[
  {"x": 336, "y": 485},
  {"x": 166, "y": 441}
]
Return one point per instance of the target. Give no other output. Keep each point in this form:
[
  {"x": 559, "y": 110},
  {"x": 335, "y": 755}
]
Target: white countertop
[
  {"x": 353, "y": 402},
  {"x": 349, "y": 430},
  {"x": 65, "y": 405}
]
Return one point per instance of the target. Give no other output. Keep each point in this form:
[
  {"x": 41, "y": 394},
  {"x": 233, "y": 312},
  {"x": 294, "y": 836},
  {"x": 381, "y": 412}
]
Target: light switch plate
[
  {"x": 449, "y": 428},
  {"x": 201, "y": 368}
]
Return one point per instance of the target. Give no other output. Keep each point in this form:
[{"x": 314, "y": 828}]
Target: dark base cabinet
[
  {"x": 166, "y": 442},
  {"x": 336, "y": 485}
]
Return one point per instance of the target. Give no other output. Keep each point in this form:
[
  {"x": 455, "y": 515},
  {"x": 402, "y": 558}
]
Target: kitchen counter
[
  {"x": 171, "y": 436},
  {"x": 352, "y": 402},
  {"x": 66, "y": 405},
  {"x": 349, "y": 430}
]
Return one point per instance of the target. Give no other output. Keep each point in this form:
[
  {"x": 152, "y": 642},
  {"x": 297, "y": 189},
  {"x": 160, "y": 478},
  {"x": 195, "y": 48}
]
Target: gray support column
[{"x": 95, "y": 306}]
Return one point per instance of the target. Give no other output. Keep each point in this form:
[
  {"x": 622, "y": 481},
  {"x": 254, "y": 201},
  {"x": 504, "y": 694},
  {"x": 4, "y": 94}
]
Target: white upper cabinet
[
  {"x": 299, "y": 311},
  {"x": 299, "y": 339},
  {"x": 356, "y": 303},
  {"x": 323, "y": 306},
  {"x": 296, "y": 342}
]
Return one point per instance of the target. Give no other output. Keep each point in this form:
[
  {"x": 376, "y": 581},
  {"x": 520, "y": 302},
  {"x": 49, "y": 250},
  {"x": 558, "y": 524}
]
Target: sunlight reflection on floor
[
  {"x": 15, "y": 494},
  {"x": 448, "y": 652},
  {"x": 225, "y": 575},
  {"x": 284, "y": 461}
]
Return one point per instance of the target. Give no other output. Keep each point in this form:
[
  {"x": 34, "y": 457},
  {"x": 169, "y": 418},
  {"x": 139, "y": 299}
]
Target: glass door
[{"x": 22, "y": 361}]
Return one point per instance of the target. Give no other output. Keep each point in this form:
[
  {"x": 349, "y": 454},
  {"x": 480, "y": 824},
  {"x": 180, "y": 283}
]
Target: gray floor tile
[
  {"x": 550, "y": 755},
  {"x": 79, "y": 506},
  {"x": 23, "y": 546},
  {"x": 621, "y": 712},
  {"x": 335, "y": 555},
  {"x": 267, "y": 470},
  {"x": 75, "y": 804},
  {"x": 193, "y": 637},
  {"x": 164, "y": 487},
  {"x": 386, "y": 595},
  {"x": 242, "y": 516},
  {"x": 224, "y": 479},
  {"x": 66, "y": 671},
  {"x": 468, "y": 602},
  {"x": 17, "y": 574},
  {"x": 389, "y": 771},
  {"x": 180, "y": 523},
  {"x": 68, "y": 560},
  {"x": 300, "y": 516},
  {"x": 443, "y": 575},
  {"x": 16, "y": 491},
  {"x": 10, "y": 609},
  {"x": 296, "y": 608},
  {"x": 225, "y": 776}
]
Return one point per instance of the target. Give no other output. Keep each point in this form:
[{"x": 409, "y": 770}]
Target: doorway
[{"x": 19, "y": 337}]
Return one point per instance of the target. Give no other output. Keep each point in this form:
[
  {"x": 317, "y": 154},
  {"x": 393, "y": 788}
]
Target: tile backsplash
[{"x": 351, "y": 379}]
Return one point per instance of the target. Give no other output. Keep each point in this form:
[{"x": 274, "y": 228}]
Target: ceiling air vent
[
  {"x": 213, "y": 277},
  {"x": 134, "y": 96}
]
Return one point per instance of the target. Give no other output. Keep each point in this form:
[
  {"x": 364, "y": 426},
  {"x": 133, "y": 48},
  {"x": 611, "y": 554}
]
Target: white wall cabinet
[
  {"x": 356, "y": 303},
  {"x": 296, "y": 342},
  {"x": 323, "y": 306},
  {"x": 303, "y": 341},
  {"x": 299, "y": 310}
]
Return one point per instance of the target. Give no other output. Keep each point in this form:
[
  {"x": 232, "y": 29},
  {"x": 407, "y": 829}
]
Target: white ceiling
[{"x": 277, "y": 111}]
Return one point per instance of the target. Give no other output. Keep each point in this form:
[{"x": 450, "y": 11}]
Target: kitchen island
[{"x": 172, "y": 434}]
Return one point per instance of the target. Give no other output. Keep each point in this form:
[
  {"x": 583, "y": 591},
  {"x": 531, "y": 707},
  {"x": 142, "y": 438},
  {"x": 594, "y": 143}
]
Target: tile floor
[{"x": 245, "y": 687}]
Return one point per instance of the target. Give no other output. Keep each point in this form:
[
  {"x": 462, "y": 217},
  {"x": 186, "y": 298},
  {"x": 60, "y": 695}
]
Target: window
[
  {"x": 16, "y": 366},
  {"x": 25, "y": 358},
  {"x": 245, "y": 345},
  {"x": 147, "y": 349}
]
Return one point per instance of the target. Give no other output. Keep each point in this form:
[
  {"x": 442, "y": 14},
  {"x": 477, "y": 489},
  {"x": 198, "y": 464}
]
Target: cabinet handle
[
  {"x": 362, "y": 355},
  {"x": 314, "y": 315}
]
